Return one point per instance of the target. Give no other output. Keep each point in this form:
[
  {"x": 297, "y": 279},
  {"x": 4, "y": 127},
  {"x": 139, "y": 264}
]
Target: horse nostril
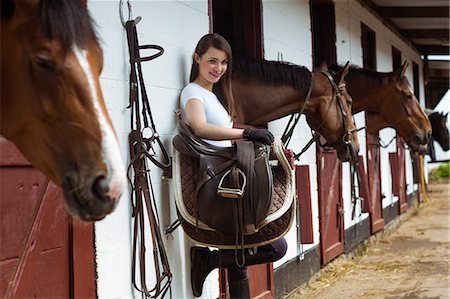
[{"x": 100, "y": 187}]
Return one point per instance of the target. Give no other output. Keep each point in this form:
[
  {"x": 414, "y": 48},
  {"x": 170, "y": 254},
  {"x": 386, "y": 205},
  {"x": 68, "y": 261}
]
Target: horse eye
[{"x": 45, "y": 64}]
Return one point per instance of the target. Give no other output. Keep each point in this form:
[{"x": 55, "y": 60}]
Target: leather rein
[{"x": 142, "y": 139}]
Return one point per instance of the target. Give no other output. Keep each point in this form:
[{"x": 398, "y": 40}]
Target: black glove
[{"x": 261, "y": 135}]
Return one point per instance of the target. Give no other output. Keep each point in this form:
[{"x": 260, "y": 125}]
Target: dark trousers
[{"x": 265, "y": 254}]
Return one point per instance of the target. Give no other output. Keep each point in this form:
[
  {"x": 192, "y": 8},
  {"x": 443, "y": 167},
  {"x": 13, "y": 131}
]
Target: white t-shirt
[{"x": 214, "y": 111}]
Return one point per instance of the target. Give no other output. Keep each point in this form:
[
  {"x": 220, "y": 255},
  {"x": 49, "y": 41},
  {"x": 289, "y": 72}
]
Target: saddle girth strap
[{"x": 244, "y": 206}]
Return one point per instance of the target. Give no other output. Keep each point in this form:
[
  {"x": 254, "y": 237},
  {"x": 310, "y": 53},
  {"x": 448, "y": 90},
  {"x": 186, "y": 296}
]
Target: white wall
[{"x": 176, "y": 26}]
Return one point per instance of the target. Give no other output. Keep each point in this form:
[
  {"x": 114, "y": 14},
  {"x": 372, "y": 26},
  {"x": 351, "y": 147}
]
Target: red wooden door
[
  {"x": 397, "y": 161},
  {"x": 374, "y": 179},
  {"x": 43, "y": 252},
  {"x": 402, "y": 197},
  {"x": 261, "y": 282},
  {"x": 331, "y": 208},
  {"x": 303, "y": 185}
]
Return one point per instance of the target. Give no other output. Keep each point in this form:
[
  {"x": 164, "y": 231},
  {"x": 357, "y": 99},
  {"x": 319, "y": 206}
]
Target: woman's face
[{"x": 212, "y": 65}]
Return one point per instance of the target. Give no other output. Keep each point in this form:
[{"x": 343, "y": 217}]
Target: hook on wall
[{"x": 130, "y": 14}]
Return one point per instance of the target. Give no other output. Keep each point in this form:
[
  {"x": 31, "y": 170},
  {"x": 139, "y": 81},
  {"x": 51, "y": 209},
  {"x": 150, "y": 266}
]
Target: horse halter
[{"x": 346, "y": 137}]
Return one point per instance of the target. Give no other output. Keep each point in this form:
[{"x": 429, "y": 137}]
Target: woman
[{"x": 210, "y": 80}]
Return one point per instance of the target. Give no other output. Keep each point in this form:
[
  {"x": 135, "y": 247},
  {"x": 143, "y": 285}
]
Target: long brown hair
[{"x": 222, "y": 89}]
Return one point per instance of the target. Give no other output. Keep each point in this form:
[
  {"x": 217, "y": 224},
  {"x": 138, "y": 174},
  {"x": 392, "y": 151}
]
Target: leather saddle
[{"x": 234, "y": 185}]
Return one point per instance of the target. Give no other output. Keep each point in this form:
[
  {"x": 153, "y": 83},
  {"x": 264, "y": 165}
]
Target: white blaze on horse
[{"x": 52, "y": 107}]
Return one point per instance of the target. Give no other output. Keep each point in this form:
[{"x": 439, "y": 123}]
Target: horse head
[
  {"x": 389, "y": 97},
  {"x": 440, "y": 130},
  {"x": 409, "y": 119},
  {"x": 52, "y": 107},
  {"x": 330, "y": 112},
  {"x": 414, "y": 126}
]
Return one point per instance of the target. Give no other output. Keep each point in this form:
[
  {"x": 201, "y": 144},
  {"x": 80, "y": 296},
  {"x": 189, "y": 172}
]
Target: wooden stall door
[
  {"x": 44, "y": 253},
  {"x": 261, "y": 281},
  {"x": 304, "y": 216},
  {"x": 331, "y": 209},
  {"x": 374, "y": 179},
  {"x": 402, "y": 197}
]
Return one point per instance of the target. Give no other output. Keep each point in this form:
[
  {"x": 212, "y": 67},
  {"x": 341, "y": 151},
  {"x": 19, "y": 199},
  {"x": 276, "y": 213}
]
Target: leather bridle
[
  {"x": 142, "y": 196},
  {"x": 337, "y": 94}
]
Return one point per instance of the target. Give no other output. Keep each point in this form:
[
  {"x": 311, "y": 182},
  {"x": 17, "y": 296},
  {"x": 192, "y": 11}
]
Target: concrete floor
[{"x": 411, "y": 262}]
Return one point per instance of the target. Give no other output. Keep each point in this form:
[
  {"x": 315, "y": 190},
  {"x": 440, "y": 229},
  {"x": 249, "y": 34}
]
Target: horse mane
[
  {"x": 373, "y": 76},
  {"x": 273, "y": 72},
  {"x": 66, "y": 21}
]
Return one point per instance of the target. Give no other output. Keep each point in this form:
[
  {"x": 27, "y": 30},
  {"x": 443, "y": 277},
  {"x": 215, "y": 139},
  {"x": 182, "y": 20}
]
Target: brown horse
[
  {"x": 392, "y": 103},
  {"x": 268, "y": 90},
  {"x": 52, "y": 107}
]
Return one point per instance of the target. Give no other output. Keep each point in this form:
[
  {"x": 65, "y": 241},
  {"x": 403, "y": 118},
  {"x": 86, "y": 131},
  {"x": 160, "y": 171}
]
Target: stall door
[
  {"x": 398, "y": 170},
  {"x": 331, "y": 209},
  {"x": 374, "y": 179},
  {"x": 44, "y": 253}
]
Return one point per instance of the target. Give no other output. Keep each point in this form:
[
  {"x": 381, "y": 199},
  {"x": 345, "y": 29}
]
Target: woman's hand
[{"x": 261, "y": 135}]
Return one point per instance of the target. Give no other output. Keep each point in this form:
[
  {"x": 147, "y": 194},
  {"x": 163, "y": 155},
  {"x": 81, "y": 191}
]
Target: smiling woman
[{"x": 52, "y": 107}]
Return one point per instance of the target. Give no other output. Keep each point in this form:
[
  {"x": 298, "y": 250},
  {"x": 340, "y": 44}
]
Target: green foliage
[{"x": 441, "y": 172}]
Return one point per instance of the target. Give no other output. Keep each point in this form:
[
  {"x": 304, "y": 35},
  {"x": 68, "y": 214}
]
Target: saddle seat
[{"x": 268, "y": 214}]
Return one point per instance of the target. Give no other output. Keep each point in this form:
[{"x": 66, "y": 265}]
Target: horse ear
[
  {"x": 323, "y": 67},
  {"x": 342, "y": 73},
  {"x": 398, "y": 73},
  {"x": 404, "y": 67}
]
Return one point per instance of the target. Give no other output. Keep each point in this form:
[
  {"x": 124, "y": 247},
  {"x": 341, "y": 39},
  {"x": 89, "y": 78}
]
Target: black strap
[{"x": 353, "y": 175}]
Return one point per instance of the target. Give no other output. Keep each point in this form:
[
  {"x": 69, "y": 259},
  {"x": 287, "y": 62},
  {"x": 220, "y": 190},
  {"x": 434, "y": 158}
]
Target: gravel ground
[{"x": 411, "y": 262}]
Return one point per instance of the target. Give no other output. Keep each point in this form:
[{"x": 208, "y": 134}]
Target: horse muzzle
[
  {"x": 87, "y": 197},
  {"x": 347, "y": 151}
]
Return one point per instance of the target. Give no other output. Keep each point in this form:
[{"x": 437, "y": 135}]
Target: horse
[
  {"x": 266, "y": 90},
  {"x": 440, "y": 132},
  {"x": 439, "y": 127},
  {"x": 52, "y": 107},
  {"x": 389, "y": 99}
]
